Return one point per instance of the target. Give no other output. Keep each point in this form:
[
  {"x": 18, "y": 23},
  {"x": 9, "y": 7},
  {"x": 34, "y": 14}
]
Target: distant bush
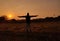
[{"x": 3, "y": 18}]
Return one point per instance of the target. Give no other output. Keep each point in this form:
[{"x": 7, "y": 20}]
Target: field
[{"x": 40, "y": 31}]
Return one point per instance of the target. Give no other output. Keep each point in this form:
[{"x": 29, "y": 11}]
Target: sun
[{"x": 9, "y": 16}]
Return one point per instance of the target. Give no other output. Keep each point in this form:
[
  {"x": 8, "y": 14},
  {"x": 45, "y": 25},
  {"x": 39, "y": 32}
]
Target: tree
[{"x": 3, "y": 18}]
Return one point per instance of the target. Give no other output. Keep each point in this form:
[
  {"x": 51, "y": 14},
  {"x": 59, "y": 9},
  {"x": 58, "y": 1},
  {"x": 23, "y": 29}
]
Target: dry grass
[
  {"x": 45, "y": 31},
  {"x": 35, "y": 27}
]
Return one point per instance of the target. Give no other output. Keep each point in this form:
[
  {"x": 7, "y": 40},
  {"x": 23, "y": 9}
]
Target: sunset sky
[{"x": 43, "y": 8}]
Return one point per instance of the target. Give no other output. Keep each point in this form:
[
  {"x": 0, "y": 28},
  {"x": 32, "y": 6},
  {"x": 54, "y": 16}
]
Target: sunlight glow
[{"x": 9, "y": 16}]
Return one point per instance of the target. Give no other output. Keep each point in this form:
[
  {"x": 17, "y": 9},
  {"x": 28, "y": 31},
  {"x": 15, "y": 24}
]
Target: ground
[{"x": 40, "y": 31}]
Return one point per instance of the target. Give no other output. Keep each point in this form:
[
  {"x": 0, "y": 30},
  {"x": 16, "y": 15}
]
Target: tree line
[{"x": 47, "y": 19}]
